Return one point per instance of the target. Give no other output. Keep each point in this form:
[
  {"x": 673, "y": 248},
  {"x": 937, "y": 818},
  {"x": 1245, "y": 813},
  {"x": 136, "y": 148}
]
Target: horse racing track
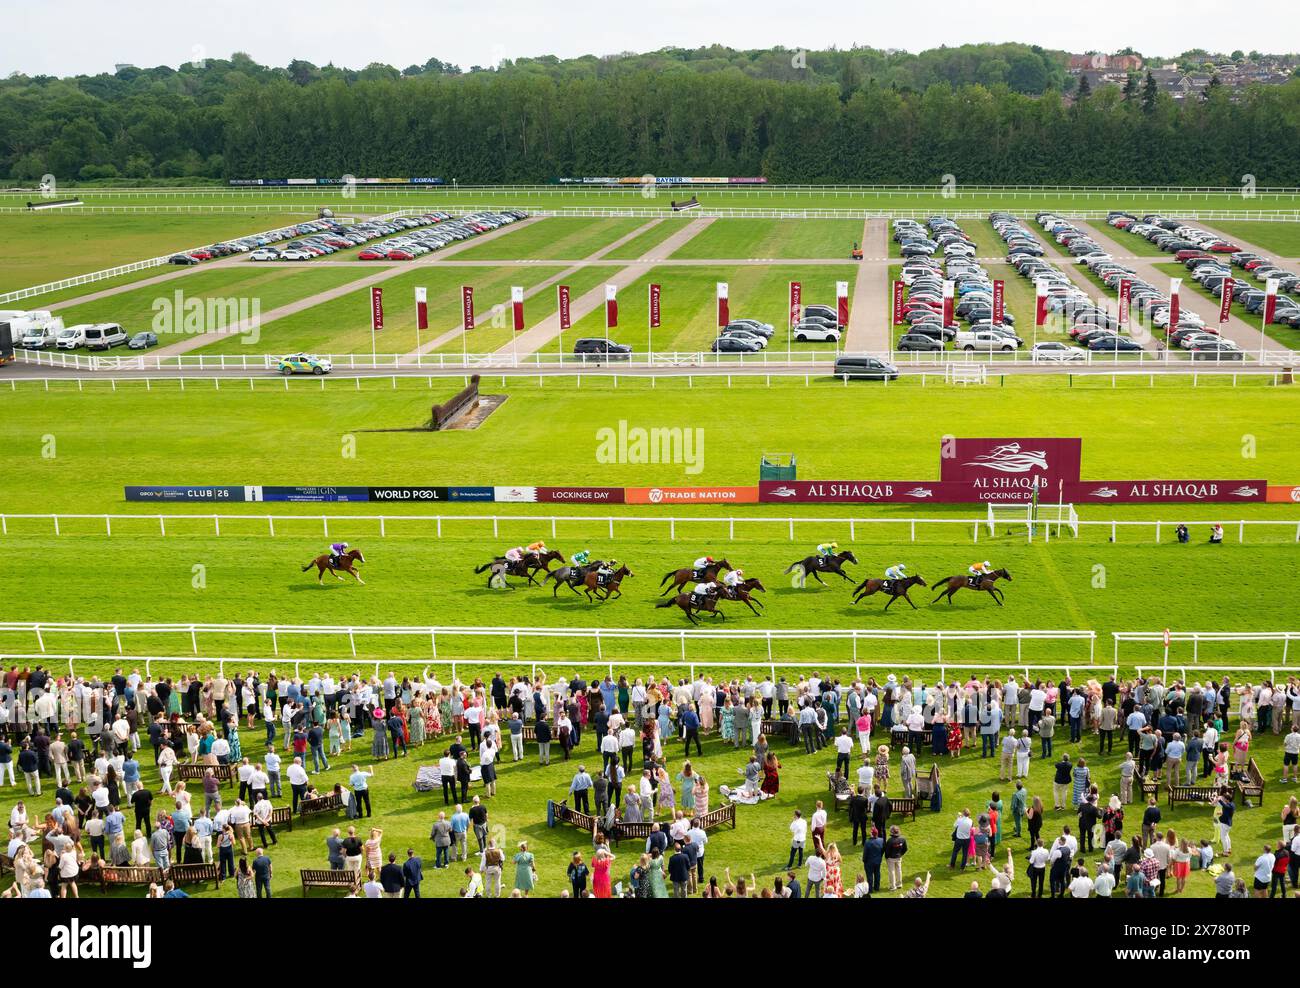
[{"x": 93, "y": 581}]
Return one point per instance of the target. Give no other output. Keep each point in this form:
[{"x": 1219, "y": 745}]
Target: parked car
[
  {"x": 1216, "y": 350},
  {"x": 864, "y": 368},
  {"x": 733, "y": 344},
  {"x": 264, "y": 254},
  {"x": 1120, "y": 344},
  {"x": 808, "y": 331},
  {"x": 142, "y": 341},
  {"x": 918, "y": 341},
  {"x": 1053, "y": 351},
  {"x": 744, "y": 334},
  {"x": 73, "y": 337},
  {"x": 105, "y": 336},
  {"x": 595, "y": 349},
  {"x": 985, "y": 339},
  {"x": 182, "y": 259},
  {"x": 302, "y": 363}
]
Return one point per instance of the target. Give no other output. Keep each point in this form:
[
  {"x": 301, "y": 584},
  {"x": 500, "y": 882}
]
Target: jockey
[
  {"x": 538, "y": 547},
  {"x": 826, "y": 551},
  {"x": 336, "y": 551},
  {"x": 733, "y": 578},
  {"x": 702, "y": 590},
  {"x": 979, "y": 570},
  {"x": 896, "y": 572},
  {"x": 702, "y": 563},
  {"x": 514, "y": 555},
  {"x": 606, "y": 570},
  {"x": 580, "y": 558}
]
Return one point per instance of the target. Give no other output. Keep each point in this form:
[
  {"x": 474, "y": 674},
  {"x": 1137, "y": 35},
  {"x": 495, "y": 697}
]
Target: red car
[
  {"x": 400, "y": 255},
  {"x": 370, "y": 254},
  {"x": 200, "y": 255},
  {"x": 1187, "y": 255},
  {"x": 1223, "y": 248}
]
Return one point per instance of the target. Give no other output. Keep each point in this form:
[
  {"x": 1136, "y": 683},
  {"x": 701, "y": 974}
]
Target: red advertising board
[
  {"x": 898, "y": 302},
  {"x": 467, "y": 306},
  {"x": 1165, "y": 491},
  {"x": 1010, "y": 465},
  {"x": 566, "y": 319},
  {"x": 655, "y": 294},
  {"x": 376, "y": 308},
  {"x": 998, "y": 289},
  {"x": 796, "y": 301}
]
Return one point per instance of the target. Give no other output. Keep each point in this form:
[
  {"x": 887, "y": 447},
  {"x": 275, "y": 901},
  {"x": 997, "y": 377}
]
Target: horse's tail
[
  {"x": 668, "y": 576},
  {"x": 666, "y": 603},
  {"x": 309, "y": 566},
  {"x": 792, "y": 567},
  {"x": 946, "y": 579},
  {"x": 480, "y": 569}
]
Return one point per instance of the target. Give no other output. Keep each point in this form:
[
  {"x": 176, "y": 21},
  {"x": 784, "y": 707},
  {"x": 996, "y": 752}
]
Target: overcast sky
[{"x": 93, "y": 35}]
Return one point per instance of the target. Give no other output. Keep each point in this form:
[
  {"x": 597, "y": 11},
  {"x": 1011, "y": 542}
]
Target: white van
[
  {"x": 73, "y": 337},
  {"x": 105, "y": 336},
  {"x": 41, "y": 337}
]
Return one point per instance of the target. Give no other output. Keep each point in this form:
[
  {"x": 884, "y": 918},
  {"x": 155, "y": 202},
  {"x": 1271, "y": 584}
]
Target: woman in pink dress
[
  {"x": 834, "y": 885},
  {"x": 600, "y": 865},
  {"x": 707, "y": 700},
  {"x": 701, "y": 796}
]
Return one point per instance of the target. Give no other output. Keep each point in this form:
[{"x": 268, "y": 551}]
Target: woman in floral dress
[
  {"x": 728, "y": 722},
  {"x": 882, "y": 767},
  {"x": 444, "y": 712},
  {"x": 707, "y": 701},
  {"x": 834, "y": 884},
  {"x": 232, "y": 736},
  {"x": 701, "y": 796},
  {"x": 416, "y": 722},
  {"x": 667, "y": 799}
]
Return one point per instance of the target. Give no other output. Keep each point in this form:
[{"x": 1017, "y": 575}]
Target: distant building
[{"x": 1098, "y": 62}]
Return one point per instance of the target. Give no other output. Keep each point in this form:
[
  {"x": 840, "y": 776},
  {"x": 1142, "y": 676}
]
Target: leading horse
[
  {"x": 346, "y": 564},
  {"x": 986, "y": 583},
  {"x": 821, "y": 564}
]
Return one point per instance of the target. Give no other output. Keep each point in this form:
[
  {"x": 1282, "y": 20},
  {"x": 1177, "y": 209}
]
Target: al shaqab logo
[{"x": 1009, "y": 458}]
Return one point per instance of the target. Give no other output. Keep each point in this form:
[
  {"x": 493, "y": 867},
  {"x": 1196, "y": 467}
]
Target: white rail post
[
  {"x": 516, "y": 641},
  {"x": 768, "y": 636},
  {"x": 270, "y": 522},
  {"x": 108, "y": 525},
  {"x": 325, "y": 524},
  {"x": 382, "y": 532},
  {"x": 494, "y": 526},
  {"x": 683, "y": 644},
  {"x": 194, "y": 640},
  {"x": 611, "y": 528},
  {"x": 117, "y": 637},
  {"x": 216, "y": 524},
  {"x": 56, "y": 524},
  {"x": 275, "y": 642},
  {"x": 600, "y": 655},
  {"x": 352, "y": 641}
]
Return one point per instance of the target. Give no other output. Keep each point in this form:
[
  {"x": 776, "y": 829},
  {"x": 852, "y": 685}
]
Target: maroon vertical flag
[
  {"x": 724, "y": 312},
  {"x": 948, "y": 288},
  {"x": 467, "y": 306},
  {"x": 566, "y": 319},
  {"x": 1270, "y": 299},
  {"x": 998, "y": 303},
  {"x": 796, "y": 301},
  {"x": 1225, "y": 301},
  {"x": 842, "y": 303},
  {"x": 653, "y": 309},
  {"x": 1125, "y": 292},
  {"x": 898, "y": 302},
  {"x": 376, "y": 309},
  {"x": 1040, "y": 304},
  {"x": 611, "y": 306},
  {"x": 517, "y": 306},
  {"x": 1175, "y": 305},
  {"x": 422, "y": 308}
]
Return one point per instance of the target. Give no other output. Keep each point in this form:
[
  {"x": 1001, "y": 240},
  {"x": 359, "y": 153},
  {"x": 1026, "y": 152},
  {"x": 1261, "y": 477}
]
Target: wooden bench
[
  {"x": 130, "y": 875},
  {"x": 904, "y": 806},
  {"x": 281, "y": 816},
  {"x": 326, "y": 878},
  {"x": 898, "y": 739},
  {"x": 840, "y": 789},
  {"x": 1253, "y": 786},
  {"x": 1192, "y": 794},
  {"x": 583, "y": 821},
  {"x": 188, "y": 772},
  {"x": 314, "y": 807},
  {"x": 631, "y": 831},
  {"x": 722, "y": 816},
  {"x": 192, "y": 874},
  {"x": 927, "y": 785},
  {"x": 776, "y": 728}
]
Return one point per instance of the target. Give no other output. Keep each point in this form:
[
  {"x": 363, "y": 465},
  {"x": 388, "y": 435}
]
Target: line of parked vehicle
[
  {"x": 249, "y": 244},
  {"x": 924, "y": 276},
  {"x": 40, "y": 329},
  {"x": 1203, "y": 253},
  {"x": 816, "y": 324},
  {"x": 407, "y": 237}
]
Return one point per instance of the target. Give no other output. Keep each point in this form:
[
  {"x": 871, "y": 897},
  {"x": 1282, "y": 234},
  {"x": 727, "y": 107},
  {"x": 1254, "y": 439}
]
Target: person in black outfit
[
  {"x": 860, "y": 815},
  {"x": 142, "y": 800},
  {"x": 1087, "y": 820},
  {"x": 463, "y": 771}
]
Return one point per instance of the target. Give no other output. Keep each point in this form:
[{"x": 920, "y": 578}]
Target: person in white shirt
[
  {"x": 298, "y": 782},
  {"x": 262, "y": 817},
  {"x": 816, "y": 875},
  {"x": 1081, "y": 887},
  {"x": 1039, "y": 858},
  {"x": 866, "y": 775},
  {"x": 1264, "y": 872},
  {"x": 843, "y": 748},
  {"x": 798, "y": 836},
  {"x": 473, "y": 884},
  {"x": 1104, "y": 884}
]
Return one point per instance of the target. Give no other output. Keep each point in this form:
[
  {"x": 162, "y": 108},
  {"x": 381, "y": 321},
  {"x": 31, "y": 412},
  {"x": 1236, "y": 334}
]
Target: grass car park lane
[
  {"x": 200, "y": 339},
  {"x": 870, "y": 291}
]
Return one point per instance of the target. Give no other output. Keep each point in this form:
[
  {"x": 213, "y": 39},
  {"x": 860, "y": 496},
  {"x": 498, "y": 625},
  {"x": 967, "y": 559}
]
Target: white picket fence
[
  {"x": 511, "y": 638},
  {"x": 1178, "y": 640},
  {"x": 361, "y": 526}
]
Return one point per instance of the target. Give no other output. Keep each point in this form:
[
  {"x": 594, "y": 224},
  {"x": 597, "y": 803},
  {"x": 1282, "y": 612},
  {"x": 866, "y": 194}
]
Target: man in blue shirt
[
  {"x": 691, "y": 731},
  {"x": 361, "y": 788},
  {"x": 459, "y": 830},
  {"x": 261, "y": 872},
  {"x": 579, "y": 788},
  {"x": 1075, "y": 707}
]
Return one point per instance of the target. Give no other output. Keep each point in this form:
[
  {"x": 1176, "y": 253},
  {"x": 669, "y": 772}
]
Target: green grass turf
[
  {"x": 1286, "y": 335},
  {"x": 688, "y": 305},
  {"x": 234, "y": 435},
  {"x": 1282, "y": 239},
  {"x": 567, "y": 238},
  {"x": 760, "y": 842},
  {"x": 47, "y": 246},
  {"x": 269, "y": 287},
  {"x": 646, "y": 241},
  {"x": 743, "y": 239}
]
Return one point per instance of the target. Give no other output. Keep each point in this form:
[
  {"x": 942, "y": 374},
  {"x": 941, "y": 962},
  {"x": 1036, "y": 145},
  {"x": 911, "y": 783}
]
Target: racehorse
[
  {"x": 609, "y": 587},
  {"x": 741, "y": 592},
  {"x": 526, "y": 566},
  {"x": 821, "y": 564},
  {"x": 951, "y": 584},
  {"x": 895, "y": 589},
  {"x": 570, "y": 576},
  {"x": 345, "y": 563},
  {"x": 688, "y": 603},
  {"x": 681, "y": 577}
]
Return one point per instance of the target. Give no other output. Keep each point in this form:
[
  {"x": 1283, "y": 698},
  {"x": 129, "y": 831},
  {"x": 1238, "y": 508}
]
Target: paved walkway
[{"x": 869, "y": 327}]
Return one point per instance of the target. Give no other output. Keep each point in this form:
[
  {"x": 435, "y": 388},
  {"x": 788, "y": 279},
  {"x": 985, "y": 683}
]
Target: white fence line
[
  {"x": 330, "y": 523},
  {"x": 778, "y": 361},
  {"x": 600, "y": 637},
  {"x": 1196, "y": 638},
  {"x": 315, "y": 664}
]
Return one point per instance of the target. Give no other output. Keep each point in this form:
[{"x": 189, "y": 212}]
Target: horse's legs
[
  {"x": 908, "y": 599},
  {"x": 818, "y": 578},
  {"x": 686, "y": 609}
]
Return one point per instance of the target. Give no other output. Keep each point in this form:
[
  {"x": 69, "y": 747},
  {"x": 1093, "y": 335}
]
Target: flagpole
[{"x": 649, "y": 318}]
